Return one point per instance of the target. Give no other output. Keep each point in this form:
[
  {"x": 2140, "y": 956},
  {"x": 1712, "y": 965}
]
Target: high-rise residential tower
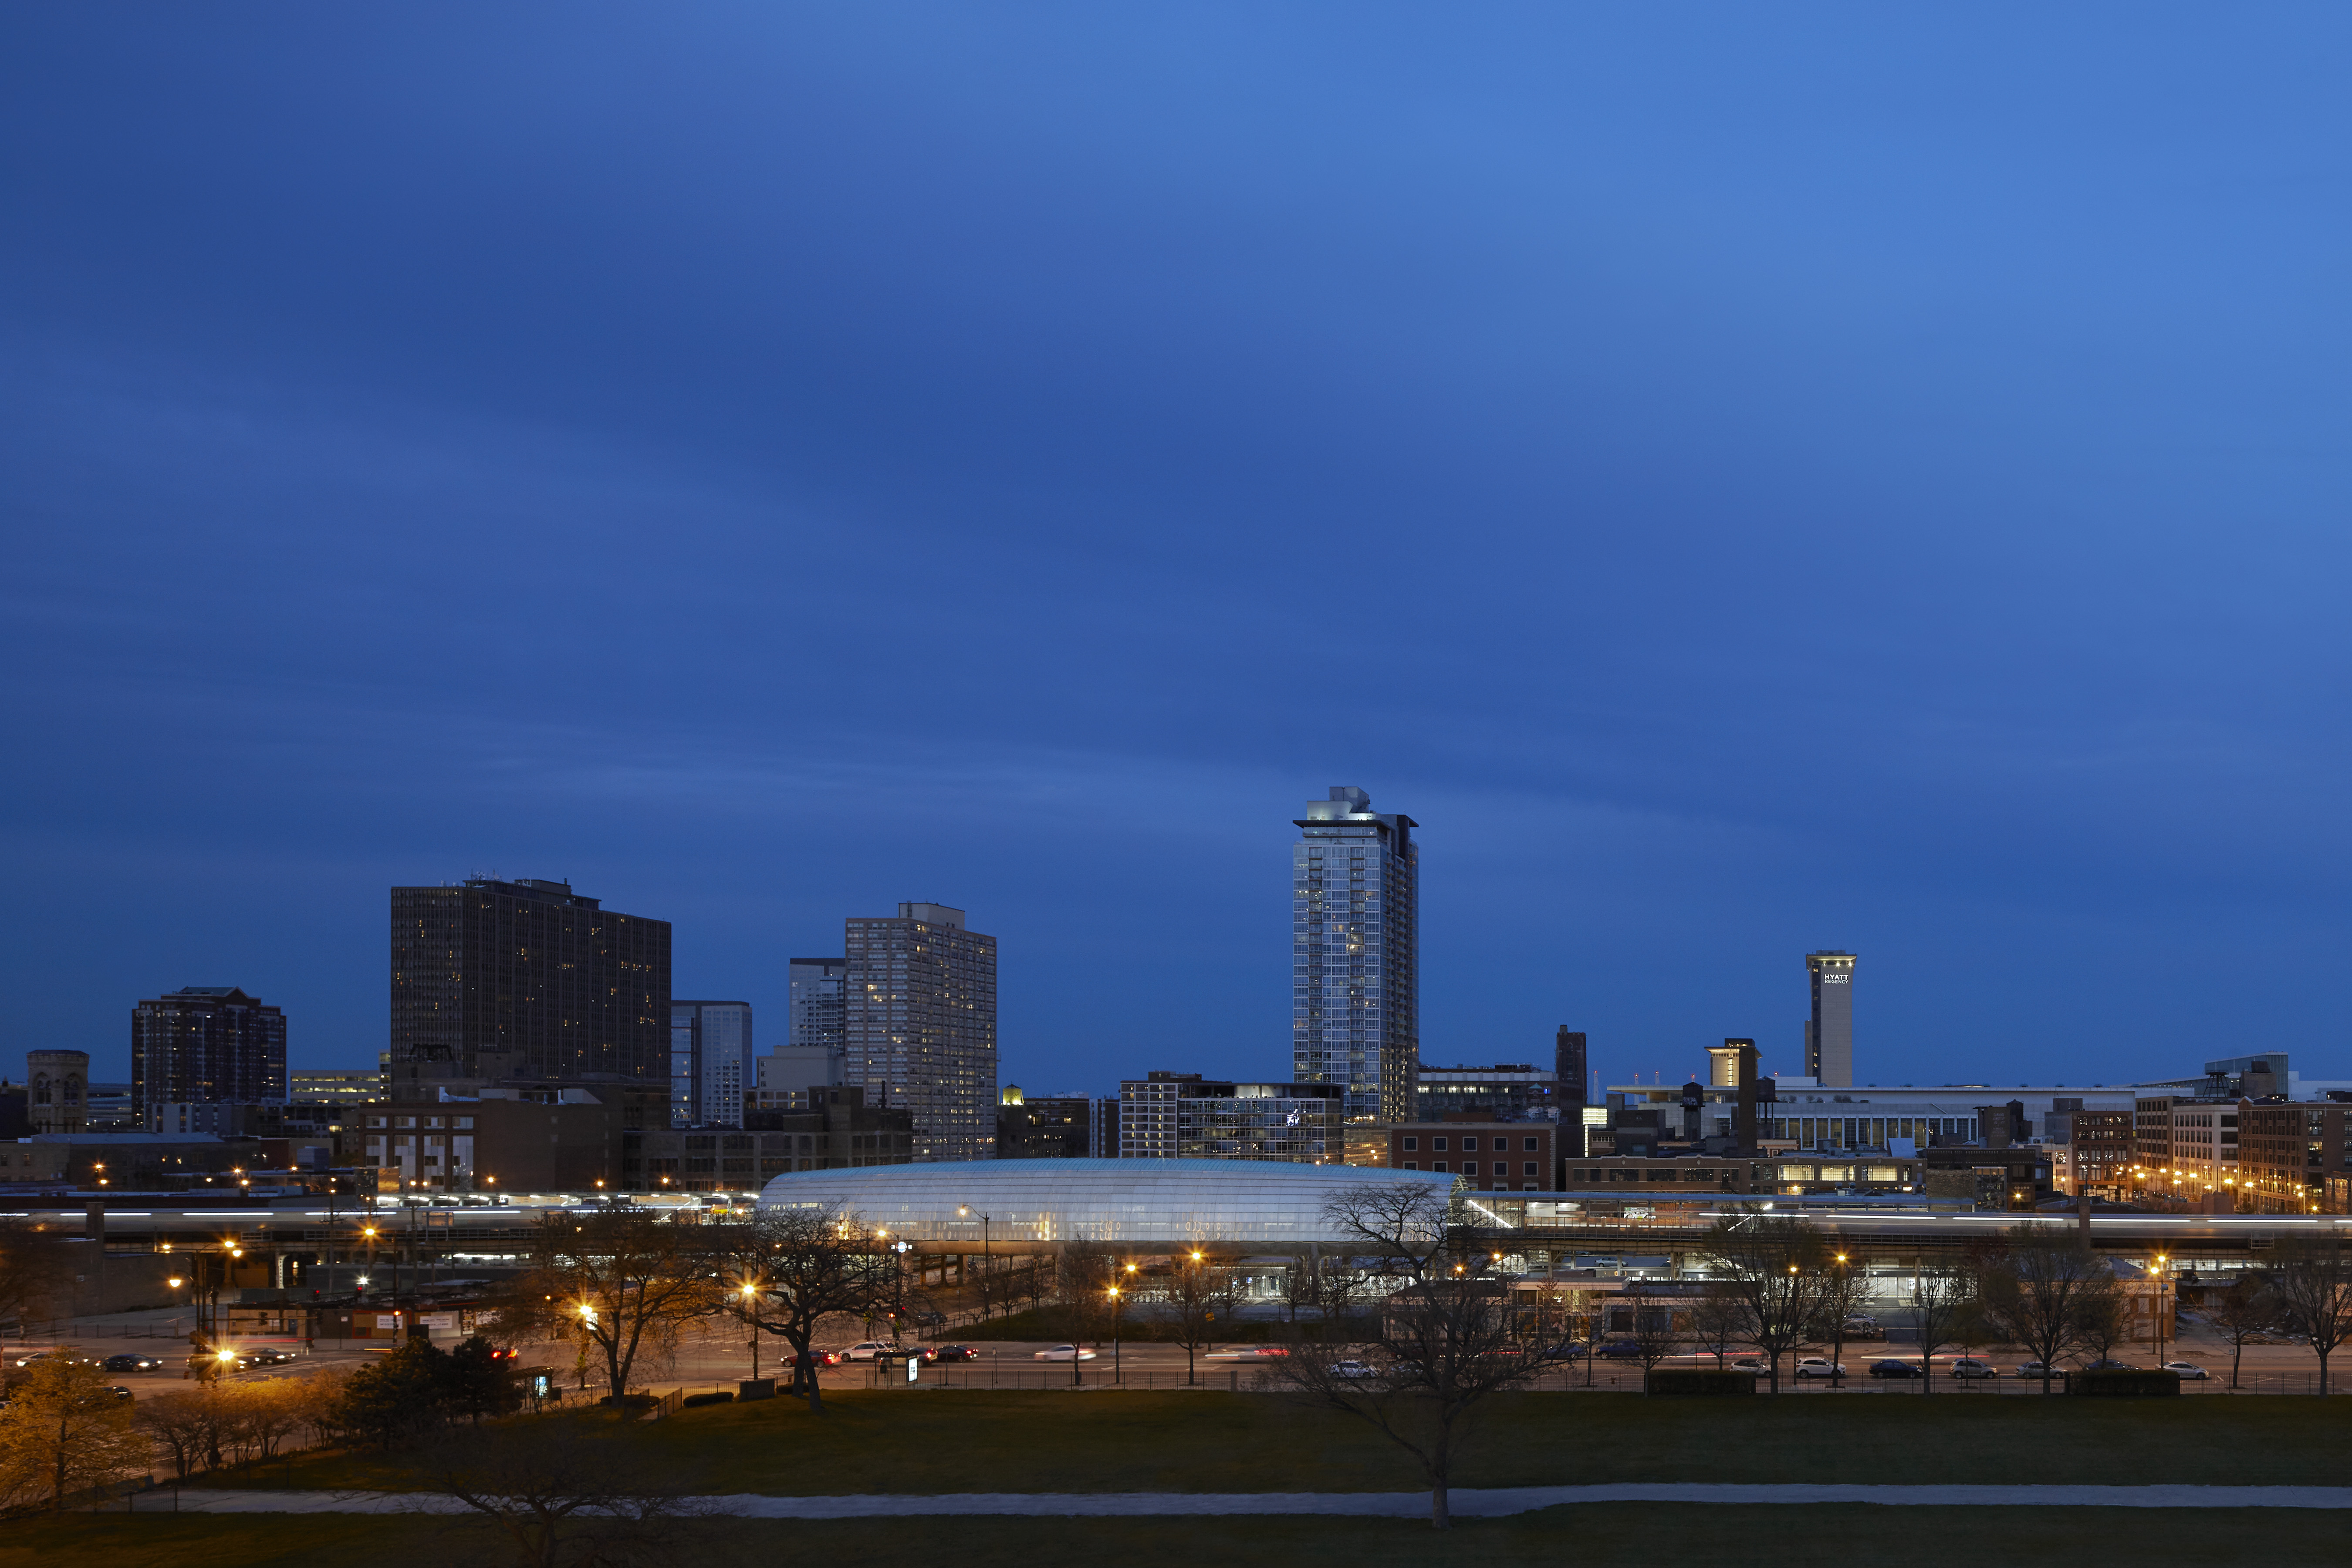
[
  {"x": 919, "y": 1025},
  {"x": 206, "y": 1042},
  {"x": 813, "y": 1016},
  {"x": 1829, "y": 1033},
  {"x": 711, "y": 1073},
  {"x": 1355, "y": 946},
  {"x": 525, "y": 980}
]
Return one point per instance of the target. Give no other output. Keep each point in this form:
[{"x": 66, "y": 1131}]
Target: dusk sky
[{"x": 1743, "y": 479}]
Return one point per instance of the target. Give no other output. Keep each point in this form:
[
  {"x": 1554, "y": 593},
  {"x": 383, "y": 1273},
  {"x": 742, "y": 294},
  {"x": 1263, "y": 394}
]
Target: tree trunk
[
  {"x": 2237, "y": 1353},
  {"x": 1439, "y": 1516},
  {"x": 2323, "y": 1372}
]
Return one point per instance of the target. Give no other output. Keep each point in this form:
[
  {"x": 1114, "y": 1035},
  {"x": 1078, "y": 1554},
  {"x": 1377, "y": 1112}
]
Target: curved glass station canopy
[{"x": 1143, "y": 1202}]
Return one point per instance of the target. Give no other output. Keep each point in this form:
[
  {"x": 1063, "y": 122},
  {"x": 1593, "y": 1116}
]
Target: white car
[
  {"x": 2187, "y": 1369},
  {"x": 1065, "y": 1352},
  {"x": 1351, "y": 1369},
  {"x": 869, "y": 1350},
  {"x": 1820, "y": 1367},
  {"x": 1973, "y": 1366}
]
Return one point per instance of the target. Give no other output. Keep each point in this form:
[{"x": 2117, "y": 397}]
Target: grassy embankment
[{"x": 955, "y": 1441}]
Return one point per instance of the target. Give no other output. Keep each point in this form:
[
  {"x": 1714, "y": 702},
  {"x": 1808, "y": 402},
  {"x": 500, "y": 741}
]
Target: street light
[
  {"x": 898, "y": 1249},
  {"x": 751, "y": 1294},
  {"x": 986, "y": 1262},
  {"x": 1115, "y": 1301}
]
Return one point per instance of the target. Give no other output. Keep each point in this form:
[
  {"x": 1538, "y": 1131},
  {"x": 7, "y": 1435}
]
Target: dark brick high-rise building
[
  {"x": 526, "y": 979},
  {"x": 205, "y": 1043},
  {"x": 918, "y": 1026}
]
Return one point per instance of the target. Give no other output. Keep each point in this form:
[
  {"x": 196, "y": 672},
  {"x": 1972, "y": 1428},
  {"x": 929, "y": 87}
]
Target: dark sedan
[
  {"x": 959, "y": 1353},
  {"x": 129, "y": 1362},
  {"x": 1890, "y": 1367},
  {"x": 1621, "y": 1350}
]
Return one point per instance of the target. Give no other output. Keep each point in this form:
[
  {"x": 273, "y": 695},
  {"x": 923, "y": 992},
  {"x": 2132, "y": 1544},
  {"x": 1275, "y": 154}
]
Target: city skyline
[{"x": 1753, "y": 481}]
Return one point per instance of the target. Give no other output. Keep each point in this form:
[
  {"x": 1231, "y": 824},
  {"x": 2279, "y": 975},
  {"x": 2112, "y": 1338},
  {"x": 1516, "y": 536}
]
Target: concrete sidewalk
[{"x": 1468, "y": 1501}]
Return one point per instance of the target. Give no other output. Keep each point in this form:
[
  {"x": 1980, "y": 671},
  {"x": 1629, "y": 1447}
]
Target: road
[{"x": 709, "y": 1361}]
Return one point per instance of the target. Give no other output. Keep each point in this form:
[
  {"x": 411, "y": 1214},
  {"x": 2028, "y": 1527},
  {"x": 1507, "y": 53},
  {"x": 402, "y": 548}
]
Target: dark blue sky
[{"x": 1745, "y": 479}]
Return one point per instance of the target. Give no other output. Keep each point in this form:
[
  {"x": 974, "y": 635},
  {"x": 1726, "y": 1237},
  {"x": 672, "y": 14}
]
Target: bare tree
[
  {"x": 1944, "y": 1299},
  {"x": 2241, "y": 1313},
  {"x": 2104, "y": 1325},
  {"x": 1773, "y": 1267},
  {"x": 34, "y": 1270},
  {"x": 2311, "y": 1275},
  {"x": 64, "y": 1431},
  {"x": 1445, "y": 1340},
  {"x": 2042, "y": 1288},
  {"x": 176, "y": 1420},
  {"x": 564, "y": 1489},
  {"x": 627, "y": 1280},
  {"x": 1843, "y": 1291},
  {"x": 1088, "y": 1269},
  {"x": 801, "y": 1266},
  {"x": 1654, "y": 1333},
  {"x": 1193, "y": 1288},
  {"x": 1716, "y": 1319}
]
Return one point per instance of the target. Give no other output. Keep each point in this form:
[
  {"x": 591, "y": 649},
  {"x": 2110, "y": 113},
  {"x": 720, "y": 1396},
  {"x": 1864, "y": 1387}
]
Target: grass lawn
[
  {"x": 1599, "y": 1537},
  {"x": 951, "y": 1441}
]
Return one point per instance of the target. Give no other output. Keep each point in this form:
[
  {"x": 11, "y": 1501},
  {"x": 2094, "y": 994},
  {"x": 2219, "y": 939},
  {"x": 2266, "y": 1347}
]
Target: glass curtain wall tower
[
  {"x": 710, "y": 1063},
  {"x": 1355, "y": 943}
]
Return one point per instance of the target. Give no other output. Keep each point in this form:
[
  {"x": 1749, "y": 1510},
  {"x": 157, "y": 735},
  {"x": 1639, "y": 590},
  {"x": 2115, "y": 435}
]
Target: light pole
[
  {"x": 1115, "y": 1302},
  {"x": 751, "y": 1294},
  {"x": 900, "y": 1248},
  {"x": 2156, "y": 1309},
  {"x": 965, "y": 1210}
]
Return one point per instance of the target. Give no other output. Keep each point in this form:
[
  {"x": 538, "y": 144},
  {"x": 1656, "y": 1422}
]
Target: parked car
[
  {"x": 265, "y": 1356},
  {"x": 1574, "y": 1350},
  {"x": 1820, "y": 1367},
  {"x": 959, "y": 1353},
  {"x": 1351, "y": 1369},
  {"x": 1619, "y": 1350},
  {"x": 130, "y": 1361},
  {"x": 2110, "y": 1365},
  {"x": 2034, "y": 1369},
  {"x": 1971, "y": 1366},
  {"x": 1755, "y": 1363},
  {"x": 1063, "y": 1352},
  {"x": 2187, "y": 1369},
  {"x": 868, "y": 1350},
  {"x": 1890, "y": 1367}
]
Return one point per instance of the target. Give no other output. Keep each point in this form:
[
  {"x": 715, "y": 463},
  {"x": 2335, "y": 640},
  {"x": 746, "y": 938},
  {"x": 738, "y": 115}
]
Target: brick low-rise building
[
  {"x": 519, "y": 1141},
  {"x": 2094, "y": 1151},
  {"x": 835, "y": 1130},
  {"x": 2288, "y": 1152},
  {"x": 1493, "y": 1156}
]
